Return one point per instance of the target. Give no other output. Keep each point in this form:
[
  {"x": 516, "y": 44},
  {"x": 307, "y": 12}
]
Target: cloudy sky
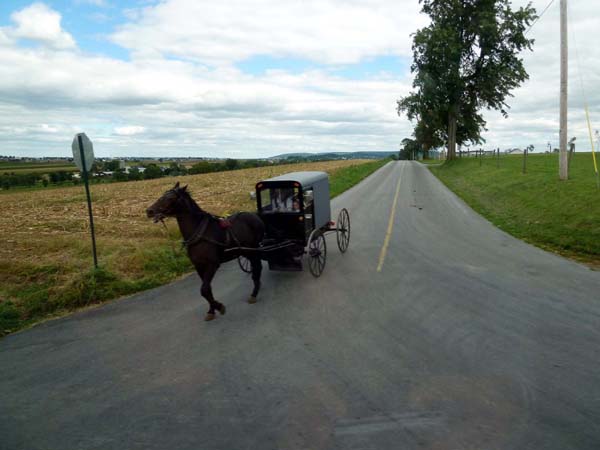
[{"x": 250, "y": 78}]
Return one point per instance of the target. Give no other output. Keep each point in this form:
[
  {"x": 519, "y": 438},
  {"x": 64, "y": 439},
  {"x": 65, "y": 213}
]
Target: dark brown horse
[{"x": 210, "y": 240}]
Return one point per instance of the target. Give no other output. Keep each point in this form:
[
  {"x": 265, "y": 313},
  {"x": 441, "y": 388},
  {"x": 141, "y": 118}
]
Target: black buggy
[{"x": 296, "y": 210}]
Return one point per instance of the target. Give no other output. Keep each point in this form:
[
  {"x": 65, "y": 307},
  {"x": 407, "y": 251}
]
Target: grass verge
[
  {"x": 433, "y": 161},
  {"x": 560, "y": 216},
  {"x": 345, "y": 178},
  {"x": 45, "y": 265}
]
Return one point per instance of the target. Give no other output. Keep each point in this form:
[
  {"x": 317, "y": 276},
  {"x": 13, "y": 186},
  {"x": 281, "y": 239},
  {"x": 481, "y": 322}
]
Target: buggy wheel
[
  {"x": 245, "y": 264},
  {"x": 317, "y": 253},
  {"x": 343, "y": 230}
]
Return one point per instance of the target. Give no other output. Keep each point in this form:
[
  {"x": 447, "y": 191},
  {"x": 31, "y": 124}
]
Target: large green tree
[
  {"x": 466, "y": 60},
  {"x": 410, "y": 148}
]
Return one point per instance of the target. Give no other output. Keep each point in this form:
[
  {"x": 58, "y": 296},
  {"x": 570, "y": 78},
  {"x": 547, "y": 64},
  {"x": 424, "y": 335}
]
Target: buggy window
[
  {"x": 283, "y": 199},
  {"x": 265, "y": 200}
]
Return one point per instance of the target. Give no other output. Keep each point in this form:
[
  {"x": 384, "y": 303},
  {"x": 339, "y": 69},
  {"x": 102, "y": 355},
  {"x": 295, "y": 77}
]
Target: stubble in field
[{"x": 45, "y": 256}]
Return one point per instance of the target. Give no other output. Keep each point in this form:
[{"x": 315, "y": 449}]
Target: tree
[
  {"x": 428, "y": 135},
  {"x": 112, "y": 166},
  {"x": 410, "y": 147},
  {"x": 201, "y": 167},
  {"x": 134, "y": 174},
  {"x": 120, "y": 175},
  {"x": 231, "y": 164},
  {"x": 152, "y": 171},
  {"x": 465, "y": 60},
  {"x": 175, "y": 169}
]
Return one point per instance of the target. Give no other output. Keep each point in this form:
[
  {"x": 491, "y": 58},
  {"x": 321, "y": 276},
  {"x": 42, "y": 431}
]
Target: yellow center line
[{"x": 386, "y": 242}]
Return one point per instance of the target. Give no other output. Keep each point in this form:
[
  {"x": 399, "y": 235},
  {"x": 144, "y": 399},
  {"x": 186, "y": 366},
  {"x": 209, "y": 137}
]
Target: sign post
[{"x": 83, "y": 155}]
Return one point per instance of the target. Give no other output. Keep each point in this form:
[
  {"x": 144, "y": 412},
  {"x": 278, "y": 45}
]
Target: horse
[{"x": 211, "y": 241}]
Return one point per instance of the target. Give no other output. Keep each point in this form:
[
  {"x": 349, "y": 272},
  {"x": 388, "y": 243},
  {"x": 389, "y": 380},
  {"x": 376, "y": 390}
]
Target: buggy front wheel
[{"x": 317, "y": 253}]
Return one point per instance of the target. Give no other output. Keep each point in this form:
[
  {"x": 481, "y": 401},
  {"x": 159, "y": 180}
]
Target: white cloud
[
  {"x": 4, "y": 39},
  {"x": 159, "y": 105},
  {"x": 533, "y": 117},
  {"x": 101, "y": 3},
  {"x": 177, "y": 106},
  {"x": 48, "y": 129},
  {"x": 39, "y": 23},
  {"x": 130, "y": 130},
  {"x": 326, "y": 31}
]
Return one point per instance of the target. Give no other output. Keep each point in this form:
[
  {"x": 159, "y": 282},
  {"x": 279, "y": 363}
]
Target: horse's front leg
[{"x": 207, "y": 275}]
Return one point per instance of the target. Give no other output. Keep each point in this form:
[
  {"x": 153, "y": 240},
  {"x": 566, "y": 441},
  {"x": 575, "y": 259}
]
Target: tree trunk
[{"x": 452, "y": 134}]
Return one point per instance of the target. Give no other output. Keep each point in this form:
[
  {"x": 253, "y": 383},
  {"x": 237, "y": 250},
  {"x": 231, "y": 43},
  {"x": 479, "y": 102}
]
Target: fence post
[
  {"x": 525, "y": 160},
  {"x": 498, "y": 159}
]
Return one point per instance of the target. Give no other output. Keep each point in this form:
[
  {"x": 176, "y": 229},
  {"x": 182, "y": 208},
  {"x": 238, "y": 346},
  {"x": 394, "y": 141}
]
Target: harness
[
  {"x": 199, "y": 236},
  {"x": 199, "y": 233}
]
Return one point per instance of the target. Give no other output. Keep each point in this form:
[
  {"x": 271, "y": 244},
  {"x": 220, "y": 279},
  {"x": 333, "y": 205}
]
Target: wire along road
[{"x": 434, "y": 331}]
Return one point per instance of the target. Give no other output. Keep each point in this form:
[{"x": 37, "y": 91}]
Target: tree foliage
[
  {"x": 466, "y": 60},
  {"x": 409, "y": 150}
]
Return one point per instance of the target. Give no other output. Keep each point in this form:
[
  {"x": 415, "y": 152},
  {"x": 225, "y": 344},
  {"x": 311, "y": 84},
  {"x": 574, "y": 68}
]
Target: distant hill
[{"x": 334, "y": 155}]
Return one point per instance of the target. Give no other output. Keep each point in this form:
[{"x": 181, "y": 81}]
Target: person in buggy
[{"x": 284, "y": 200}]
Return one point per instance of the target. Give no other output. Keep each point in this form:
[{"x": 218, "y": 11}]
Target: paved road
[{"x": 465, "y": 339}]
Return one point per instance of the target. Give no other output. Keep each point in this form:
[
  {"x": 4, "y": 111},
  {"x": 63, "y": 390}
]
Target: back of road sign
[{"x": 88, "y": 151}]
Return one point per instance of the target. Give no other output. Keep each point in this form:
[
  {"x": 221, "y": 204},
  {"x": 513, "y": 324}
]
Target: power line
[{"x": 539, "y": 17}]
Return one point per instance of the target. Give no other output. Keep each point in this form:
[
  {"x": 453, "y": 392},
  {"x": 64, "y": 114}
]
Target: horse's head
[{"x": 168, "y": 205}]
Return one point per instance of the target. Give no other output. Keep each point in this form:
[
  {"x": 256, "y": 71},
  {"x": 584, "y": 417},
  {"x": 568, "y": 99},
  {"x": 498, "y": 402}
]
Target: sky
[{"x": 253, "y": 78}]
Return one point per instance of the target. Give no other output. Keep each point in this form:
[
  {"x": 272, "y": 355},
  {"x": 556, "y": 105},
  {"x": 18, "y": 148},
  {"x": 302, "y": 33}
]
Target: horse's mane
[{"x": 192, "y": 205}]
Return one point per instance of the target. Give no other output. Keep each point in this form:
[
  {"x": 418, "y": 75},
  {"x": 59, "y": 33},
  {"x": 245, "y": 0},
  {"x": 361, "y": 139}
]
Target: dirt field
[{"x": 45, "y": 256}]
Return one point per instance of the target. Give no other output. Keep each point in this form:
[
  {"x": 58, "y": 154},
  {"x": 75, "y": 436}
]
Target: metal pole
[
  {"x": 525, "y": 160},
  {"x": 498, "y": 159},
  {"x": 89, "y": 200},
  {"x": 563, "y": 165},
  {"x": 480, "y": 156}
]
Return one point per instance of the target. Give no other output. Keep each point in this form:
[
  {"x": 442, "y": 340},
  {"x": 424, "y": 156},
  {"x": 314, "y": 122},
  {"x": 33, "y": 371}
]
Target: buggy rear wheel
[
  {"x": 245, "y": 264},
  {"x": 343, "y": 230},
  {"x": 317, "y": 253}
]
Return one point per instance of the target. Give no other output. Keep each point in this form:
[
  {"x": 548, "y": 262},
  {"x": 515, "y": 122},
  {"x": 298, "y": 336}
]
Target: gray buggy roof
[{"x": 306, "y": 178}]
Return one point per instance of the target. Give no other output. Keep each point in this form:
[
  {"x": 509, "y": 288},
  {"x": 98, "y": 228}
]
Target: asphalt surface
[{"x": 466, "y": 339}]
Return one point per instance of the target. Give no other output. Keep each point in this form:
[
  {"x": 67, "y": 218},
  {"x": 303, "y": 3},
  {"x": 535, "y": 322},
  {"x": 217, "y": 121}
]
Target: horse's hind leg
[
  {"x": 207, "y": 275},
  {"x": 256, "y": 272}
]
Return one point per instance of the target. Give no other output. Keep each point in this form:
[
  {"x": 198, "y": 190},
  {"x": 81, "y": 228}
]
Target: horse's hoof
[
  {"x": 209, "y": 317},
  {"x": 252, "y": 300},
  {"x": 222, "y": 310}
]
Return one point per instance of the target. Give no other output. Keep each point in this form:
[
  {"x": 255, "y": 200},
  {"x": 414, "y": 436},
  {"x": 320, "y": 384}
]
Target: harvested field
[{"x": 45, "y": 256}]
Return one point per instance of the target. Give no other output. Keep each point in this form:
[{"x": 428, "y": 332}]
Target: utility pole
[{"x": 563, "y": 164}]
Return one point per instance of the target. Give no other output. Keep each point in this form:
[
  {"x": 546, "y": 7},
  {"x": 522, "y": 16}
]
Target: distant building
[{"x": 140, "y": 169}]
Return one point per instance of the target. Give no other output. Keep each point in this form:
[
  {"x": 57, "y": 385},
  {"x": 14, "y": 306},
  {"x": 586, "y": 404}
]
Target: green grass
[
  {"x": 42, "y": 299},
  {"x": 561, "y": 216},
  {"x": 31, "y": 292},
  {"x": 23, "y": 168},
  {"x": 347, "y": 177},
  {"x": 432, "y": 161}
]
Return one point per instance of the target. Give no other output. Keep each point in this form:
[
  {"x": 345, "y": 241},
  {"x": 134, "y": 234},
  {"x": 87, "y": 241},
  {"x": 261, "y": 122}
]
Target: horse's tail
[
  {"x": 255, "y": 225},
  {"x": 258, "y": 227}
]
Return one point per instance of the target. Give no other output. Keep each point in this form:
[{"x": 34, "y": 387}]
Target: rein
[{"x": 162, "y": 221}]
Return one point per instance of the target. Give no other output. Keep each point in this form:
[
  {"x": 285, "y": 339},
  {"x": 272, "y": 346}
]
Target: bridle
[
  {"x": 160, "y": 217},
  {"x": 198, "y": 234}
]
